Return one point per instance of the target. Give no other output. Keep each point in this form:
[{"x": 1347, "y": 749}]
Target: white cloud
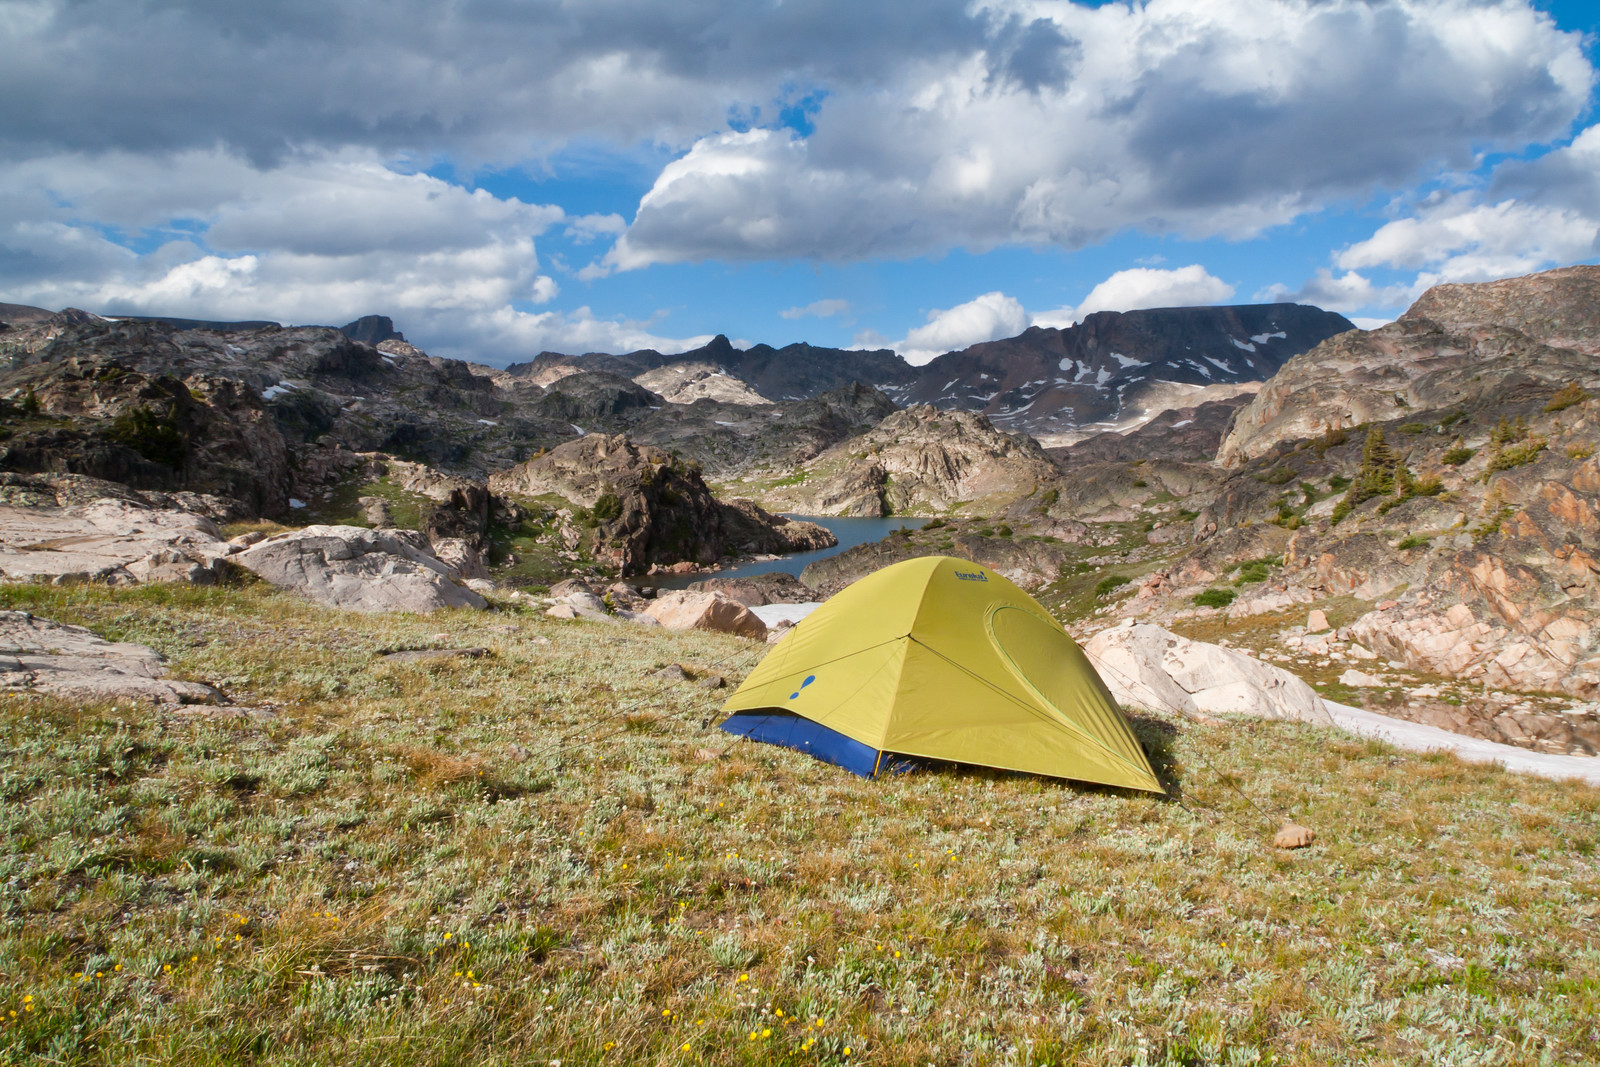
[
  {"x": 821, "y": 309},
  {"x": 320, "y": 239},
  {"x": 1347, "y": 292},
  {"x": 985, "y": 318},
  {"x": 588, "y": 227},
  {"x": 1184, "y": 116},
  {"x": 1143, "y": 287},
  {"x": 1463, "y": 237},
  {"x": 1467, "y": 241}
]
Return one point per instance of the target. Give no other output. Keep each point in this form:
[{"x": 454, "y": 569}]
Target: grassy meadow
[{"x": 546, "y": 855}]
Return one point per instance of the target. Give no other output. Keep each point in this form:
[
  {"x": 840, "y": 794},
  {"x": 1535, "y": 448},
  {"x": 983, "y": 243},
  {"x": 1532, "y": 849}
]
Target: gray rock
[
  {"x": 375, "y": 509},
  {"x": 71, "y": 661},
  {"x": 358, "y": 569},
  {"x": 1149, "y": 667},
  {"x": 111, "y": 541}
]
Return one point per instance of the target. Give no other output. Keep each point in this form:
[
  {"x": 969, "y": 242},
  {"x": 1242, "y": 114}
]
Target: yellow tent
[{"x": 946, "y": 660}]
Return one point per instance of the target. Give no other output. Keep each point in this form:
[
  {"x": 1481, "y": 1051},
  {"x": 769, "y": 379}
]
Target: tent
[{"x": 941, "y": 659}]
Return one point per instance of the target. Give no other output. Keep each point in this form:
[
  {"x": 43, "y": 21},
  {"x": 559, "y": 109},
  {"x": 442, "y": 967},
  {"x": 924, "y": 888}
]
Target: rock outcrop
[
  {"x": 113, "y": 541},
  {"x": 357, "y": 569},
  {"x": 75, "y": 663},
  {"x": 922, "y": 460},
  {"x": 645, "y": 507},
  {"x": 1146, "y": 666}
]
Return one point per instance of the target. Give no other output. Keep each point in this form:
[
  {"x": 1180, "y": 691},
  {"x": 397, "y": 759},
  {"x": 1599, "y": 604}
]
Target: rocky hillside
[
  {"x": 920, "y": 461},
  {"x": 1441, "y": 473},
  {"x": 642, "y": 508}
]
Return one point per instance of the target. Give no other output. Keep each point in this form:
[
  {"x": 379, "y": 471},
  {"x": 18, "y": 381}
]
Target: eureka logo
[
  {"x": 967, "y": 577},
  {"x": 809, "y": 679}
]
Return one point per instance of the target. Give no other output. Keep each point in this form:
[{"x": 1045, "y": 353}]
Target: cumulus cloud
[
  {"x": 1187, "y": 117},
  {"x": 1470, "y": 236},
  {"x": 1349, "y": 291},
  {"x": 1143, "y": 287},
  {"x": 1469, "y": 241},
  {"x": 499, "y": 81},
  {"x": 320, "y": 238},
  {"x": 821, "y": 309},
  {"x": 985, "y": 318}
]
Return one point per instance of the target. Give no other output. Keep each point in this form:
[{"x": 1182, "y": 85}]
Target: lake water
[{"x": 850, "y": 532}]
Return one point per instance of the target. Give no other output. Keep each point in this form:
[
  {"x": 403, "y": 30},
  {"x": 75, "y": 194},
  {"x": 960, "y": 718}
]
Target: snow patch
[
  {"x": 273, "y": 392},
  {"x": 488, "y": 422},
  {"x": 1221, "y": 364},
  {"x": 295, "y": 502},
  {"x": 1127, "y": 361},
  {"x": 579, "y": 430},
  {"x": 1244, "y": 346},
  {"x": 1181, "y": 425},
  {"x": 1263, "y": 338}
]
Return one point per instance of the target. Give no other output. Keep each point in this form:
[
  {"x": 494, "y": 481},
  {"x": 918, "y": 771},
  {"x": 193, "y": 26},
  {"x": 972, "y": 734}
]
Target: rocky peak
[
  {"x": 1560, "y": 308},
  {"x": 923, "y": 460},
  {"x": 372, "y": 330},
  {"x": 1119, "y": 367}
]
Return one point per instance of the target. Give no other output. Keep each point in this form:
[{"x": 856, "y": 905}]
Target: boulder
[
  {"x": 1147, "y": 666},
  {"x": 682, "y": 610},
  {"x": 72, "y": 662},
  {"x": 357, "y": 569}
]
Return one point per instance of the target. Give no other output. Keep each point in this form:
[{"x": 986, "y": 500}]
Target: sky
[{"x": 504, "y": 177}]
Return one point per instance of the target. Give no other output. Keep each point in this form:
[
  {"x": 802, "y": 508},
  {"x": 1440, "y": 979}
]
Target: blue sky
[{"x": 506, "y": 176}]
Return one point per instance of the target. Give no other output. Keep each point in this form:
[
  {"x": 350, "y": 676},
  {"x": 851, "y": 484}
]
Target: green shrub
[
  {"x": 1049, "y": 497},
  {"x": 608, "y": 508},
  {"x": 1338, "y": 482},
  {"x": 1506, "y": 458},
  {"x": 1002, "y": 531},
  {"x": 933, "y": 524},
  {"x": 986, "y": 531},
  {"x": 1255, "y": 570},
  {"x": 1278, "y": 476},
  {"x": 1580, "y": 451},
  {"x": 1108, "y": 583},
  {"x": 1452, "y": 418},
  {"x": 1565, "y": 397},
  {"x": 1140, "y": 483},
  {"x": 1455, "y": 457},
  {"x": 155, "y": 437},
  {"x": 1214, "y": 598},
  {"x": 1415, "y": 427},
  {"x": 1340, "y": 510},
  {"x": 1414, "y": 541},
  {"x": 1508, "y": 432},
  {"x": 1332, "y": 437}
]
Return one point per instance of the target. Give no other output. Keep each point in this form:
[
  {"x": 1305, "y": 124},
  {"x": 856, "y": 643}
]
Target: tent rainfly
[{"x": 941, "y": 659}]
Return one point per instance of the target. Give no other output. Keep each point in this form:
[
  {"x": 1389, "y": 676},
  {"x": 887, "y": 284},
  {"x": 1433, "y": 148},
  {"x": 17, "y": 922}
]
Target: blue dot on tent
[{"x": 809, "y": 679}]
